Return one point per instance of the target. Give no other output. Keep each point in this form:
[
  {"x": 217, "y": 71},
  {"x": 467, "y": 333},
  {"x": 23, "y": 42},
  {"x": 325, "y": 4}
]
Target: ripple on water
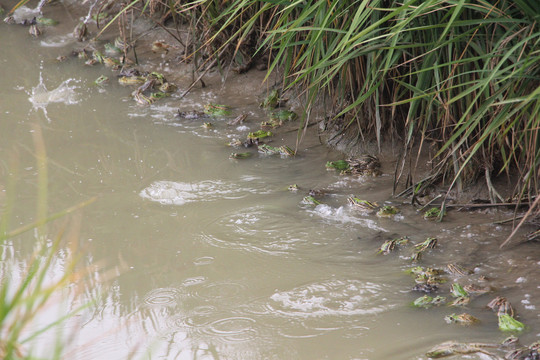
[
  {"x": 218, "y": 291},
  {"x": 180, "y": 193},
  {"x": 162, "y": 297},
  {"x": 265, "y": 230}
]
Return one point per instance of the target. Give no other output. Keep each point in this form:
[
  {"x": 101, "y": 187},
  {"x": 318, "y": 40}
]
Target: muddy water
[{"x": 213, "y": 257}]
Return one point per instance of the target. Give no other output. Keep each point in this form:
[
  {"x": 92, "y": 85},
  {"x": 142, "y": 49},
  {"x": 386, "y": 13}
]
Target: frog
[
  {"x": 168, "y": 88},
  {"x": 159, "y": 79},
  {"x": 111, "y": 49},
  {"x": 217, "y": 110},
  {"x": 433, "y": 213},
  {"x": 476, "y": 289},
  {"x": 457, "y": 270},
  {"x": 98, "y": 56},
  {"x": 283, "y": 115},
  {"x": 100, "y": 16},
  {"x": 426, "y": 288},
  {"x": 80, "y": 32},
  {"x": 389, "y": 245},
  {"x": 121, "y": 44},
  {"x": 271, "y": 124},
  {"x": 310, "y": 200},
  {"x": 429, "y": 243},
  {"x": 457, "y": 291},
  {"x": 286, "y": 151},
  {"x": 293, "y": 188},
  {"x": 271, "y": 100},
  {"x": 362, "y": 204},
  {"x": 131, "y": 80},
  {"x": 501, "y": 305},
  {"x": 387, "y": 211},
  {"x": 508, "y": 323},
  {"x": 339, "y": 165},
  {"x": 367, "y": 165},
  {"x": 159, "y": 95},
  {"x": 460, "y": 301},
  {"x": 243, "y": 155},
  {"x": 102, "y": 80},
  {"x": 159, "y": 46},
  {"x": 238, "y": 120},
  {"x": 34, "y": 30},
  {"x": 451, "y": 348},
  {"x": 111, "y": 62},
  {"x": 267, "y": 149},
  {"x": 259, "y": 134},
  {"x": 207, "y": 125},
  {"x": 46, "y": 21},
  {"x": 462, "y": 319}
]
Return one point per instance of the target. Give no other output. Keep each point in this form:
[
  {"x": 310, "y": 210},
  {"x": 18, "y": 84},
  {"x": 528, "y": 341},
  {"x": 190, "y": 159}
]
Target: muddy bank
[{"x": 162, "y": 48}]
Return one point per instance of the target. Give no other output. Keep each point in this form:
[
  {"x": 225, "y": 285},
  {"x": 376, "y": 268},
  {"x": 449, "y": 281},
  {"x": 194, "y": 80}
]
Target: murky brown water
[{"x": 218, "y": 259}]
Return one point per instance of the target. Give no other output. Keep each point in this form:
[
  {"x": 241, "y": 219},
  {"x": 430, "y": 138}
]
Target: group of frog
[
  {"x": 276, "y": 118},
  {"x": 428, "y": 280},
  {"x": 150, "y": 85}
]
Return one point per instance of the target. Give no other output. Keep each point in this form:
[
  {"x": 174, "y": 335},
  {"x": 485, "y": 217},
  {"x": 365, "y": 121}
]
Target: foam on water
[{"x": 179, "y": 193}]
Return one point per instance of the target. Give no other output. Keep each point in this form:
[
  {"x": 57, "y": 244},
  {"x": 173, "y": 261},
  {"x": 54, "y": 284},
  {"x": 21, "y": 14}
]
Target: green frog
[
  {"x": 340, "y": 165},
  {"x": 429, "y": 243},
  {"x": 389, "y": 245},
  {"x": 112, "y": 49},
  {"x": 310, "y": 200},
  {"x": 283, "y": 115},
  {"x": 458, "y": 291},
  {"x": 131, "y": 80},
  {"x": 293, "y": 188},
  {"x": 217, "y": 110},
  {"x": 168, "y": 88},
  {"x": 267, "y": 149},
  {"x": 462, "y": 319},
  {"x": 284, "y": 150},
  {"x": 111, "y": 62},
  {"x": 259, "y": 134},
  {"x": 433, "y": 213},
  {"x": 46, "y": 21},
  {"x": 362, "y": 204},
  {"x": 102, "y": 80},
  {"x": 387, "y": 211},
  {"x": 508, "y": 323},
  {"x": 271, "y": 101},
  {"x": 243, "y": 155}
]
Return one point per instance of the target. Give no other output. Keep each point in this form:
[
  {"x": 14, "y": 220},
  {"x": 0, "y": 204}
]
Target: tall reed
[{"x": 462, "y": 75}]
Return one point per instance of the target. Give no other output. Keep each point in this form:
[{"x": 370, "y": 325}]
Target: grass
[
  {"x": 26, "y": 291},
  {"x": 462, "y": 76}
]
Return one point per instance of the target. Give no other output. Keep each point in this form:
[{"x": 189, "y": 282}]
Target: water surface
[{"x": 215, "y": 257}]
